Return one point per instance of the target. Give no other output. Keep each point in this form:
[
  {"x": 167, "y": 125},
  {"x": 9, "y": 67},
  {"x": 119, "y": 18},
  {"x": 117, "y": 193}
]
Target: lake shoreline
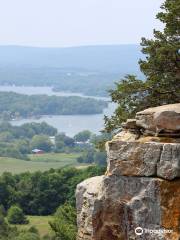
[
  {"x": 69, "y": 124},
  {"x": 52, "y": 91}
]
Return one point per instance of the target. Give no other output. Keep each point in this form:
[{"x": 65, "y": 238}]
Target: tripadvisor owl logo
[{"x": 139, "y": 231}]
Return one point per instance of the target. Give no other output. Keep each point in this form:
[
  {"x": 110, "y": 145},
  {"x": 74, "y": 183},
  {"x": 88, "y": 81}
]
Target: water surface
[{"x": 69, "y": 124}]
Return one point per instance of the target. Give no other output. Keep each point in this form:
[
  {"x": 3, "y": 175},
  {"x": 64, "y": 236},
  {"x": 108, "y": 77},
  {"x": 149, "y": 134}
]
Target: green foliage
[
  {"x": 15, "y": 140},
  {"x": 4, "y": 228},
  {"x": 15, "y": 215},
  {"x": 14, "y": 106},
  {"x": 31, "y": 129},
  {"x": 96, "y": 152},
  {"x": 100, "y": 158},
  {"x": 25, "y": 131},
  {"x": 93, "y": 156},
  {"x": 5, "y": 190},
  {"x": 27, "y": 236},
  {"x": 41, "y": 142},
  {"x": 64, "y": 223},
  {"x": 2, "y": 210},
  {"x": 41, "y": 193},
  {"x": 161, "y": 68},
  {"x": 99, "y": 140},
  {"x": 60, "y": 146},
  {"x": 19, "y": 141},
  {"x": 39, "y": 162},
  {"x": 61, "y": 138},
  {"x": 83, "y": 136},
  {"x": 10, "y": 150},
  {"x": 130, "y": 94},
  {"x": 8, "y": 232},
  {"x": 79, "y": 143},
  {"x": 89, "y": 156}
]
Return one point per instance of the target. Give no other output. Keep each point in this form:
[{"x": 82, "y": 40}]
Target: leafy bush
[
  {"x": 16, "y": 216},
  {"x": 27, "y": 236},
  {"x": 64, "y": 223},
  {"x": 92, "y": 156},
  {"x": 4, "y": 228},
  {"x": 83, "y": 136}
]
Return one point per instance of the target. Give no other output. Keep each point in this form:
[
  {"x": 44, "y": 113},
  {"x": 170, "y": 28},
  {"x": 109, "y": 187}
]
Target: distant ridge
[
  {"x": 104, "y": 58},
  {"x": 91, "y": 70}
]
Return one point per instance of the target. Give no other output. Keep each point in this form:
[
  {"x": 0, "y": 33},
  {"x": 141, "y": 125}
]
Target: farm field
[{"x": 42, "y": 162}]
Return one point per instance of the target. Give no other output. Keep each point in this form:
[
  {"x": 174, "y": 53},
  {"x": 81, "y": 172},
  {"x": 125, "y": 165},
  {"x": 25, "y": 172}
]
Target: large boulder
[
  {"x": 119, "y": 208},
  {"x": 163, "y": 119}
]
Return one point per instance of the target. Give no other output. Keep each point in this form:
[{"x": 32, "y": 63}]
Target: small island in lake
[{"x": 14, "y": 106}]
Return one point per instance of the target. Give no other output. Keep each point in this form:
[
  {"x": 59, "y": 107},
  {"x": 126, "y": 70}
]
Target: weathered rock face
[
  {"x": 111, "y": 208},
  {"x": 143, "y": 159},
  {"x": 141, "y": 187}
]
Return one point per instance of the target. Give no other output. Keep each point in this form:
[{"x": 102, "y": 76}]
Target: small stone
[
  {"x": 130, "y": 124},
  {"x": 126, "y": 135}
]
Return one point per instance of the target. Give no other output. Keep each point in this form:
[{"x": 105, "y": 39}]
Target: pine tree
[{"x": 161, "y": 68}]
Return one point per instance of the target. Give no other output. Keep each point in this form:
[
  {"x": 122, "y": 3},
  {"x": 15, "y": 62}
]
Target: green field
[
  {"x": 40, "y": 222},
  {"x": 39, "y": 162}
]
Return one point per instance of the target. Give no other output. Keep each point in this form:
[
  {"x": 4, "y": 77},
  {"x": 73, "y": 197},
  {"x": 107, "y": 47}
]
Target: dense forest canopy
[
  {"x": 13, "y": 105},
  {"x": 41, "y": 194},
  {"x": 161, "y": 68}
]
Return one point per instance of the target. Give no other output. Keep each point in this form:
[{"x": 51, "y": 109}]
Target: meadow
[
  {"x": 40, "y": 222},
  {"x": 42, "y": 162}
]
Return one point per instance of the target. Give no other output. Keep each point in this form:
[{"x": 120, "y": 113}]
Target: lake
[{"x": 69, "y": 124}]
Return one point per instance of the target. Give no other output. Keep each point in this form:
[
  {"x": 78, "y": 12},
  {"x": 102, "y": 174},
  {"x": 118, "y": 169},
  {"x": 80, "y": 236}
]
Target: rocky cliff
[{"x": 139, "y": 196}]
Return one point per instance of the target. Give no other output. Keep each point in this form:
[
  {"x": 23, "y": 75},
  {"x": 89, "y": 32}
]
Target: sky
[{"x": 63, "y": 23}]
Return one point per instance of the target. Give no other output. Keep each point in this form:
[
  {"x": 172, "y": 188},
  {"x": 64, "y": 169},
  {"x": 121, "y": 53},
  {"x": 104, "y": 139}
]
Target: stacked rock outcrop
[{"x": 139, "y": 196}]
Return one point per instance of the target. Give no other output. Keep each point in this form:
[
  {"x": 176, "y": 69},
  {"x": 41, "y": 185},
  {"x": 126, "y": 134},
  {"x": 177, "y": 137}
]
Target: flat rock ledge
[
  {"x": 138, "y": 198},
  {"x": 163, "y": 120}
]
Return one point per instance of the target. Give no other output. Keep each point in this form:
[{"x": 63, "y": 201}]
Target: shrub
[
  {"x": 16, "y": 216},
  {"x": 2, "y": 210},
  {"x": 64, "y": 223},
  {"x": 27, "y": 236}
]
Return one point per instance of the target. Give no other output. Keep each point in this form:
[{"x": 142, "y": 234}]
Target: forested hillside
[
  {"x": 13, "y": 105},
  {"x": 90, "y": 70},
  {"x": 115, "y": 58}
]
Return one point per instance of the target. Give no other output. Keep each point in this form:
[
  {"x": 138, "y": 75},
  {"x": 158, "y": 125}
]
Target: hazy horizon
[
  {"x": 73, "y": 46},
  {"x": 69, "y": 23}
]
